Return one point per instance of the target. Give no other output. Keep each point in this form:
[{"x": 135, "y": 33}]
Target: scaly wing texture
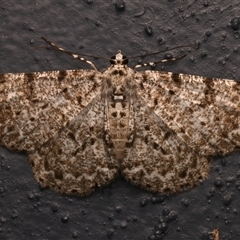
[
  {"x": 34, "y": 106},
  {"x": 76, "y": 160},
  {"x": 159, "y": 160},
  {"x": 203, "y": 112}
]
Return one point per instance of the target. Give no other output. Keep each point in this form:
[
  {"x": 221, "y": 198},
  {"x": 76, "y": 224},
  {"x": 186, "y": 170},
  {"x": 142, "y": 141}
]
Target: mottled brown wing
[
  {"x": 203, "y": 112},
  {"x": 159, "y": 160},
  {"x": 76, "y": 160},
  {"x": 34, "y": 106}
]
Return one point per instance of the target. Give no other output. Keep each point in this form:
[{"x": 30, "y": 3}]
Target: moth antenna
[
  {"x": 163, "y": 60},
  {"x": 75, "y": 55}
]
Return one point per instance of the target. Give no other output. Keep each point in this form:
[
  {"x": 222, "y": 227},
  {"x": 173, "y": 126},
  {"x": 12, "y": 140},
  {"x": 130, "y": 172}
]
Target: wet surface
[{"x": 120, "y": 211}]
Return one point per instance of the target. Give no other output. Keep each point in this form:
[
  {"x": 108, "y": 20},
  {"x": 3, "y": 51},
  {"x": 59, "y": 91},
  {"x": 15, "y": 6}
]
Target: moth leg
[{"x": 74, "y": 55}]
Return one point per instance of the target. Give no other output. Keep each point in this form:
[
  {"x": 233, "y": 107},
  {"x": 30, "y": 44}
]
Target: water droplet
[
  {"x": 120, "y": 5},
  {"x": 185, "y": 202},
  {"x": 171, "y": 216},
  {"x": 81, "y": 46},
  {"x": 114, "y": 225},
  {"x": 226, "y": 57},
  {"x": 143, "y": 202},
  {"x": 55, "y": 207},
  {"x": 168, "y": 56},
  {"x": 84, "y": 212},
  {"x": 123, "y": 224},
  {"x": 208, "y": 34},
  {"x": 110, "y": 233},
  {"x": 88, "y": 1},
  {"x": 2, "y": 190},
  {"x": 223, "y": 36},
  {"x": 134, "y": 218},
  {"x": 3, "y": 219},
  {"x": 230, "y": 179},
  {"x": 30, "y": 196},
  {"x": 224, "y": 47},
  {"x": 235, "y": 23},
  {"x": 197, "y": 44},
  {"x": 205, "y": 235},
  {"x": 14, "y": 214},
  {"x": 158, "y": 199},
  {"x": 162, "y": 227},
  {"x": 223, "y": 161},
  {"x": 192, "y": 59},
  {"x": 236, "y": 35},
  {"x": 218, "y": 182},
  {"x": 148, "y": 30},
  {"x": 222, "y": 61},
  {"x": 206, "y": 4},
  {"x": 118, "y": 209},
  {"x": 203, "y": 54},
  {"x": 210, "y": 193},
  {"x": 156, "y": 235},
  {"x": 111, "y": 217},
  {"x": 3, "y": 163},
  {"x": 227, "y": 199},
  {"x": 235, "y": 49},
  {"x": 74, "y": 234},
  {"x": 64, "y": 218},
  {"x": 161, "y": 41},
  {"x": 165, "y": 211}
]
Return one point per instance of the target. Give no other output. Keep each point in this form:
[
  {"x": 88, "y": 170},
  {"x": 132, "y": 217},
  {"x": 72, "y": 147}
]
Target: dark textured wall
[{"x": 119, "y": 211}]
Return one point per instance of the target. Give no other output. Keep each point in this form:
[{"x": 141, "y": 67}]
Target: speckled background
[{"x": 119, "y": 211}]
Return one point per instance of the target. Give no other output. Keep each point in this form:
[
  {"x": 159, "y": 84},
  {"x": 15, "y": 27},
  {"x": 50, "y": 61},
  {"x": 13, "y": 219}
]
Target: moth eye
[
  {"x": 125, "y": 60},
  {"x": 112, "y": 61}
]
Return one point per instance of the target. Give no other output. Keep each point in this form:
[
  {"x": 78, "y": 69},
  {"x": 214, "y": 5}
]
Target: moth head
[{"x": 119, "y": 59}]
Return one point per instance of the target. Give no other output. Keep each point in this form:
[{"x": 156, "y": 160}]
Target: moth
[{"x": 82, "y": 128}]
